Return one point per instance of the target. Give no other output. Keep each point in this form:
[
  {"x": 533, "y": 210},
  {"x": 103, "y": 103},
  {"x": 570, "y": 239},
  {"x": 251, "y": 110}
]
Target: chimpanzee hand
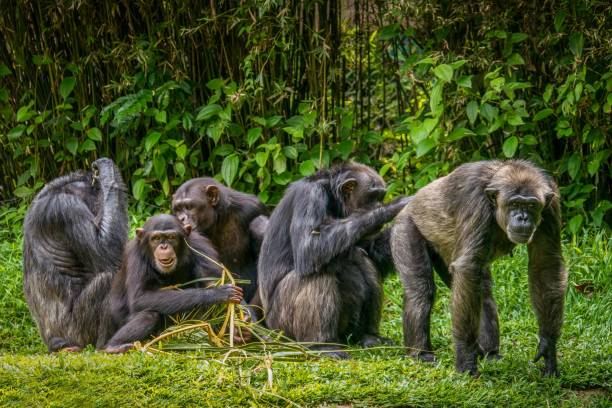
[
  {"x": 105, "y": 171},
  {"x": 548, "y": 350},
  {"x": 230, "y": 293},
  {"x": 399, "y": 203}
]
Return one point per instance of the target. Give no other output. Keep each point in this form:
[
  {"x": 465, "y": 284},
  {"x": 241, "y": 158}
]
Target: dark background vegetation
[{"x": 260, "y": 93}]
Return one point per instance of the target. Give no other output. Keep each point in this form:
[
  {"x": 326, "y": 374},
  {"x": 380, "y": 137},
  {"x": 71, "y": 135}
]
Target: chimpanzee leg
[
  {"x": 139, "y": 326},
  {"x": 415, "y": 270},
  {"x": 371, "y": 310},
  {"x": 488, "y": 334}
]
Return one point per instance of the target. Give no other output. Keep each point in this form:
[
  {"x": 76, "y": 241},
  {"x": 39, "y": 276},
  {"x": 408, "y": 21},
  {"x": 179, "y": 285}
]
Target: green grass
[{"x": 31, "y": 377}]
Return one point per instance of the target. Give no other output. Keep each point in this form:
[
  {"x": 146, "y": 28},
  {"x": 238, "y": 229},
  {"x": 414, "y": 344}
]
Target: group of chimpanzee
[{"x": 315, "y": 266}]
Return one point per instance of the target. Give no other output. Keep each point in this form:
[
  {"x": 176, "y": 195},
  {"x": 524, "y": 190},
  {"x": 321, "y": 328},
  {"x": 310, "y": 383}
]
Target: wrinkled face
[
  {"x": 164, "y": 245},
  {"x": 195, "y": 207},
  {"x": 518, "y": 215},
  {"x": 363, "y": 190}
]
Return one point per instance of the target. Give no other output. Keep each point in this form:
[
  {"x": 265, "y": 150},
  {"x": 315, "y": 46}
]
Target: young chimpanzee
[
  {"x": 234, "y": 221},
  {"x": 318, "y": 282},
  {"x": 159, "y": 257}
]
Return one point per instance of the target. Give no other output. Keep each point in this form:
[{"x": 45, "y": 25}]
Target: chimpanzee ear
[
  {"x": 187, "y": 230},
  {"x": 139, "y": 233},
  {"x": 348, "y": 186},
  {"x": 212, "y": 192},
  {"x": 491, "y": 195}
]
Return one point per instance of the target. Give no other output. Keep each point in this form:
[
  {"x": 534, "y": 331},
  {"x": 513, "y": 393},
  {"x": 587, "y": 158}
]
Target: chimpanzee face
[
  {"x": 363, "y": 189},
  {"x": 196, "y": 206},
  {"x": 163, "y": 237},
  {"x": 518, "y": 214}
]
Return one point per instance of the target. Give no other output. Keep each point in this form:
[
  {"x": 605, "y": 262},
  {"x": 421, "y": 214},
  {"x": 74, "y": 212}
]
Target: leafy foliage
[{"x": 258, "y": 94}]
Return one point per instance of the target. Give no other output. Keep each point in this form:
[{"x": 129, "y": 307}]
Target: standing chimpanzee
[
  {"x": 75, "y": 231},
  {"x": 317, "y": 282},
  {"x": 162, "y": 255},
  {"x": 458, "y": 225},
  {"x": 234, "y": 222}
]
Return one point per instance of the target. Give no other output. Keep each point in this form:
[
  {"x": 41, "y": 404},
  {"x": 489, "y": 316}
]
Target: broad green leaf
[
  {"x": 372, "y": 137},
  {"x": 559, "y": 19},
  {"x": 575, "y": 223},
  {"x": 345, "y": 148},
  {"x": 94, "y": 134},
  {"x": 214, "y": 131},
  {"x": 161, "y": 117},
  {"x": 180, "y": 169},
  {"x": 151, "y": 140},
  {"x": 72, "y": 145},
  {"x": 87, "y": 146},
  {"x": 444, "y": 72},
  {"x": 215, "y": 84},
  {"x": 459, "y": 133},
  {"x": 290, "y": 152},
  {"x": 16, "y": 132},
  {"x": 67, "y": 86},
  {"x": 223, "y": 150},
  {"x": 159, "y": 166},
  {"x": 208, "y": 112},
  {"x": 425, "y": 146},
  {"x": 516, "y": 59},
  {"x": 573, "y": 165},
  {"x": 307, "y": 168},
  {"x": 488, "y": 112},
  {"x": 4, "y": 70},
  {"x": 280, "y": 164},
  {"x": 510, "y": 146},
  {"x": 282, "y": 179},
  {"x": 253, "y": 134},
  {"x": 544, "y": 113},
  {"x": 187, "y": 121},
  {"x": 576, "y": 43},
  {"x": 181, "y": 151},
  {"x": 166, "y": 187},
  {"x": 426, "y": 61},
  {"x": 297, "y": 133},
  {"x": 472, "y": 111},
  {"x": 465, "y": 81},
  {"x": 229, "y": 169},
  {"x": 23, "y": 192},
  {"x": 272, "y": 121},
  {"x": 593, "y": 167},
  {"x": 515, "y": 120},
  {"x": 24, "y": 113},
  {"x": 138, "y": 189},
  {"x": 261, "y": 158},
  {"x": 518, "y": 37},
  {"x": 458, "y": 64},
  {"x": 435, "y": 97}
]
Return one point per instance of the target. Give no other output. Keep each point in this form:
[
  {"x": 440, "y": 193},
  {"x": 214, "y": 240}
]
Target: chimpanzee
[
  {"x": 74, "y": 235},
  {"x": 458, "y": 225},
  {"x": 317, "y": 282},
  {"x": 162, "y": 255},
  {"x": 234, "y": 222}
]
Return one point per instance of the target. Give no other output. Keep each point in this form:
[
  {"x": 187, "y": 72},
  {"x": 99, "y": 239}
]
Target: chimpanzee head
[
  {"x": 519, "y": 194},
  {"x": 163, "y": 238},
  {"x": 357, "y": 187},
  {"x": 195, "y": 203}
]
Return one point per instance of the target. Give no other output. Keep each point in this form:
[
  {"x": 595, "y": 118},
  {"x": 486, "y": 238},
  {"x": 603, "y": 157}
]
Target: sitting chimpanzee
[
  {"x": 234, "y": 221},
  {"x": 162, "y": 255},
  {"x": 74, "y": 235},
  {"x": 317, "y": 280}
]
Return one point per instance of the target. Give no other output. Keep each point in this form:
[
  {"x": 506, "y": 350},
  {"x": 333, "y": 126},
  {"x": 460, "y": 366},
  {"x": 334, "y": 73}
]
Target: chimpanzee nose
[
  {"x": 163, "y": 245},
  {"x": 522, "y": 217}
]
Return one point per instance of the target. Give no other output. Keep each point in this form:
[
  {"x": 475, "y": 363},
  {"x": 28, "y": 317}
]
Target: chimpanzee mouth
[
  {"x": 167, "y": 263},
  {"x": 520, "y": 237}
]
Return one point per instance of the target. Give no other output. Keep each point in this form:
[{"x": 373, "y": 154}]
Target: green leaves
[
  {"x": 576, "y": 43},
  {"x": 472, "y": 111},
  {"x": 67, "y": 86},
  {"x": 510, "y": 146},
  {"x": 444, "y": 72},
  {"x": 229, "y": 169}
]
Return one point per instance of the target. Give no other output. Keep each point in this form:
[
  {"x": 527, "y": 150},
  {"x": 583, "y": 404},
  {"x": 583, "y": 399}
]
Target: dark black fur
[
  {"x": 138, "y": 302},
  {"x": 316, "y": 282},
  {"x": 234, "y": 221},
  {"x": 458, "y": 225},
  {"x": 74, "y": 235}
]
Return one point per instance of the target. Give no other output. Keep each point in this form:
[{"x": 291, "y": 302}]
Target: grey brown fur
[
  {"x": 74, "y": 235},
  {"x": 317, "y": 282},
  {"x": 458, "y": 225}
]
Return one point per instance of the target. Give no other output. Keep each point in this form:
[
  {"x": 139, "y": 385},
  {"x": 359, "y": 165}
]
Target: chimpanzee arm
[
  {"x": 257, "y": 229},
  {"x": 203, "y": 253},
  {"x": 317, "y": 238},
  {"x": 547, "y": 285},
  {"x": 378, "y": 248},
  {"x": 170, "y": 301}
]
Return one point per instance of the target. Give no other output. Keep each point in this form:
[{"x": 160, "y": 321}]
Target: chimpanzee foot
[
  {"x": 119, "y": 349},
  {"x": 331, "y": 351},
  {"x": 373, "y": 340},
  {"x": 70, "y": 349},
  {"x": 425, "y": 356}
]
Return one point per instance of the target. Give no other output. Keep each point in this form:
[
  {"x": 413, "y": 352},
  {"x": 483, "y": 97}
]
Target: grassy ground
[{"x": 31, "y": 377}]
